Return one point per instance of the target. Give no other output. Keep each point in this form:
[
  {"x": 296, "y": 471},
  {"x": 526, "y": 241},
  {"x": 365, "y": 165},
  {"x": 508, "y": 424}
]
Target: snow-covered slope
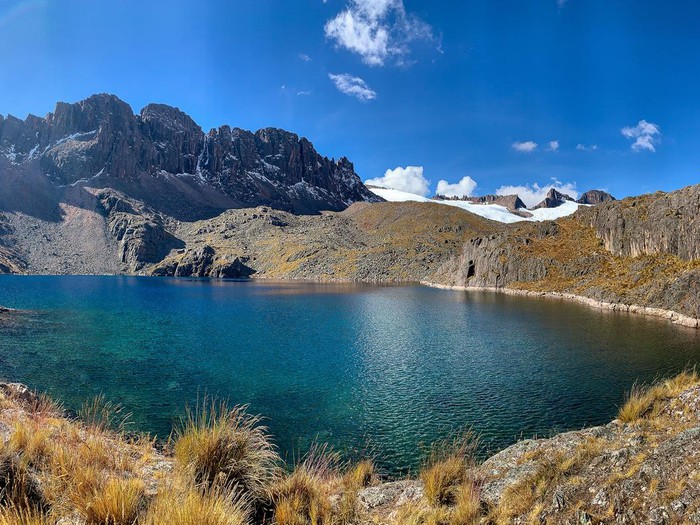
[{"x": 489, "y": 211}]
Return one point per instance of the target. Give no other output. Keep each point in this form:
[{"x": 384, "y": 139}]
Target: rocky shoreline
[
  {"x": 670, "y": 315},
  {"x": 639, "y": 468}
]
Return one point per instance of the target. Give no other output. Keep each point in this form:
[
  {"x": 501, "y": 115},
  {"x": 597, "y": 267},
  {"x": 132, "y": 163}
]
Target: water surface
[{"x": 366, "y": 368}]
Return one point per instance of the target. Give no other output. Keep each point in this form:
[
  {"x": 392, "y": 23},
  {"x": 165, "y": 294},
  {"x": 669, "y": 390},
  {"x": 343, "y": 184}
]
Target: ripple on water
[{"x": 382, "y": 369}]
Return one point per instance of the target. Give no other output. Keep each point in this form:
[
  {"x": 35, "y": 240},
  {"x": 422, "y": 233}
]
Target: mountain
[
  {"x": 510, "y": 202},
  {"x": 595, "y": 197},
  {"x": 553, "y": 199},
  {"x": 164, "y": 159},
  {"x": 636, "y": 251}
]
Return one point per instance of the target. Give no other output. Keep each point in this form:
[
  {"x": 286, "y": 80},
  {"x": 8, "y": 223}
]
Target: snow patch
[{"x": 494, "y": 212}]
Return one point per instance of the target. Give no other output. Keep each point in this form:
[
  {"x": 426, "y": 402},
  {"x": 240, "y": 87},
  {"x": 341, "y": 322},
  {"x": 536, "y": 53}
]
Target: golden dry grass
[
  {"x": 116, "y": 501},
  {"x": 190, "y": 506},
  {"x": 225, "y": 447},
  {"x": 446, "y": 469},
  {"x": 645, "y": 402}
]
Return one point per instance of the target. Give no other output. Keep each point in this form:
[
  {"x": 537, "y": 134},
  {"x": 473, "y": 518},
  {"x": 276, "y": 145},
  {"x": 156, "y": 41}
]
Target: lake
[{"x": 384, "y": 370}]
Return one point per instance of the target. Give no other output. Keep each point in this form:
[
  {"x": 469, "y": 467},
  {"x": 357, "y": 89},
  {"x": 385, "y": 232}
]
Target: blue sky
[{"x": 609, "y": 91}]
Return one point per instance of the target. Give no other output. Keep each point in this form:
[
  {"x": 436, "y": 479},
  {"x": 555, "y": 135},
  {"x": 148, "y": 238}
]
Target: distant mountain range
[{"x": 553, "y": 199}]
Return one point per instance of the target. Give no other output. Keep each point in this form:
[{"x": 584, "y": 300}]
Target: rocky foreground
[{"x": 221, "y": 468}]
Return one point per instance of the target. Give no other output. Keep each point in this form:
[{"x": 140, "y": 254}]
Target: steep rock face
[
  {"x": 176, "y": 139},
  {"x": 595, "y": 197},
  {"x": 163, "y": 151},
  {"x": 141, "y": 235},
  {"x": 650, "y": 224},
  {"x": 11, "y": 260},
  {"x": 205, "y": 262},
  {"x": 553, "y": 200}
]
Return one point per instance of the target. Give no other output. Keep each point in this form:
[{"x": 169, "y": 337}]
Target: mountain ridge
[{"x": 162, "y": 157}]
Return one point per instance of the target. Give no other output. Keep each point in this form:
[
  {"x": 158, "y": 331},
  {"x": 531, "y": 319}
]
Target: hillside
[
  {"x": 640, "y": 250},
  {"x": 105, "y": 232}
]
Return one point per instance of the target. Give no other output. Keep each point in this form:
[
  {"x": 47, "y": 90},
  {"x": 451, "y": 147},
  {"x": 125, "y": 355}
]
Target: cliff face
[
  {"x": 641, "y": 250},
  {"x": 99, "y": 141},
  {"x": 651, "y": 224}
]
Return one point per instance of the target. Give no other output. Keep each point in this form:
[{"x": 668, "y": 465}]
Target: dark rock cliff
[
  {"x": 163, "y": 157},
  {"x": 553, "y": 199},
  {"x": 650, "y": 224},
  {"x": 594, "y": 197}
]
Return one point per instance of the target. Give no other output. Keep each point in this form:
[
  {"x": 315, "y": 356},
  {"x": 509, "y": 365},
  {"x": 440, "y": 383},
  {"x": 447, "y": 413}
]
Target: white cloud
[
  {"x": 353, "y": 86},
  {"x": 376, "y": 30},
  {"x": 646, "y": 136},
  {"x": 304, "y": 93},
  {"x": 533, "y": 194},
  {"x": 583, "y": 147},
  {"x": 464, "y": 187},
  {"x": 304, "y": 57},
  {"x": 524, "y": 147},
  {"x": 553, "y": 145},
  {"x": 409, "y": 179}
]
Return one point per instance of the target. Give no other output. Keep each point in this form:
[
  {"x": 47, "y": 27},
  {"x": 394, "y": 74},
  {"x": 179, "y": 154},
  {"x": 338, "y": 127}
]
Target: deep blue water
[{"x": 381, "y": 369}]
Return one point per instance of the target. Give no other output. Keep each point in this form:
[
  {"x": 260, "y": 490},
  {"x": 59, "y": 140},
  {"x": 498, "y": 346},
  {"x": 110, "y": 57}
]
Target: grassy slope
[{"x": 378, "y": 242}]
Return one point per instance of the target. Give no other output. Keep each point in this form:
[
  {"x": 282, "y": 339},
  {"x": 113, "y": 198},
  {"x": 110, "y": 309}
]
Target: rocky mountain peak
[
  {"x": 553, "y": 199},
  {"x": 595, "y": 197},
  {"x": 164, "y": 158}
]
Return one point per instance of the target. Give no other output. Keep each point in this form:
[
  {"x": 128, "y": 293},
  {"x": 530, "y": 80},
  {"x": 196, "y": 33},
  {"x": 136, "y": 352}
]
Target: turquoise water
[{"x": 381, "y": 369}]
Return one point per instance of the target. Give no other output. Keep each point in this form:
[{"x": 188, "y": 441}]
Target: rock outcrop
[
  {"x": 595, "y": 197},
  {"x": 163, "y": 158},
  {"x": 553, "y": 199},
  {"x": 510, "y": 202},
  {"x": 650, "y": 224},
  {"x": 204, "y": 262}
]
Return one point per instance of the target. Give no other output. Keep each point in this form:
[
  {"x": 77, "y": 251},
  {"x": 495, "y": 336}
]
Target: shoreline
[{"x": 669, "y": 315}]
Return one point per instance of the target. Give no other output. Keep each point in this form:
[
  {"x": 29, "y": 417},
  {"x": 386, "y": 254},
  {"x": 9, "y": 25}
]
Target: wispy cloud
[
  {"x": 553, "y": 145},
  {"x": 377, "y": 30},
  {"x": 561, "y": 3},
  {"x": 464, "y": 187},
  {"x": 524, "y": 147},
  {"x": 304, "y": 93},
  {"x": 533, "y": 194},
  {"x": 304, "y": 57},
  {"x": 583, "y": 147},
  {"x": 646, "y": 136},
  {"x": 353, "y": 86},
  {"x": 409, "y": 179}
]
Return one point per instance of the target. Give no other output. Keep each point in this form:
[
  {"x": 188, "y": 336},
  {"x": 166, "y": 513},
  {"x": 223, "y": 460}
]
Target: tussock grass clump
[
  {"x": 303, "y": 497},
  {"x": 99, "y": 414},
  {"x": 117, "y": 501},
  {"x": 361, "y": 475},
  {"x": 18, "y": 488},
  {"x": 417, "y": 514},
  {"x": 446, "y": 469},
  {"x": 191, "y": 506},
  {"x": 645, "y": 402},
  {"x": 24, "y": 516},
  {"x": 225, "y": 447}
]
